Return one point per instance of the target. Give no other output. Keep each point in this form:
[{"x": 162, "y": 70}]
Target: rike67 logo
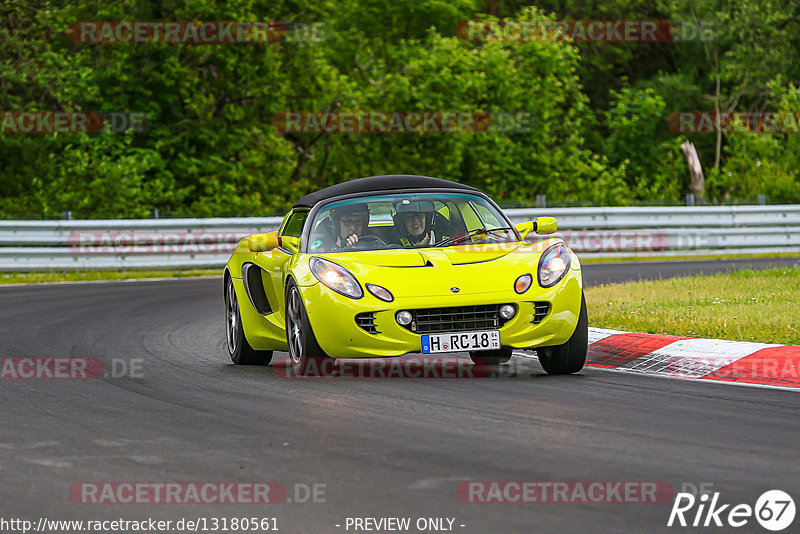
[{"x": 774, "y": 510}]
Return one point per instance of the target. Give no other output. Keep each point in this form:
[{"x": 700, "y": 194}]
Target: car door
[{"x": 276, "y": 262}]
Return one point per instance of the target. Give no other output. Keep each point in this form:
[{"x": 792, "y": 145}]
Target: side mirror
[
  {"x": 524, "y": 228},
  {"x": 262, "y": 242},
  {"x": 545, "y": 225}
]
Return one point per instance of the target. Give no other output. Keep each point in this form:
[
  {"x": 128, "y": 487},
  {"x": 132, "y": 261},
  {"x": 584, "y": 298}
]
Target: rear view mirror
[
  {"x": 262, "y": 242},
  {"x": 545, "y": 225}
]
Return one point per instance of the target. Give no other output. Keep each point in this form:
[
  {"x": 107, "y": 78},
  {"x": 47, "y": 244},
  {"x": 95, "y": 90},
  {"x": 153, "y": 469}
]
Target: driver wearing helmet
[
  {"x": 413, "y": 222},
  {"x": 348, "y": 223}
]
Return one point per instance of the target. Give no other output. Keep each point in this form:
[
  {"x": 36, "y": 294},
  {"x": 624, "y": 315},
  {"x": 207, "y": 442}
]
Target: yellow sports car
[{"x": 391, "y": 265}]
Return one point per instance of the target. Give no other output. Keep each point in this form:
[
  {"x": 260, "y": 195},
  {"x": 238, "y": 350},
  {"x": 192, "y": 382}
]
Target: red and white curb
[{"x": 739, "y": 362}]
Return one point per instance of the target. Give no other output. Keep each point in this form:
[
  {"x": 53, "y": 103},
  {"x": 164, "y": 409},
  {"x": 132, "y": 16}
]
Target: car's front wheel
[
  {"x": 305, "y": 353},
  {"x": 239, "y": 349},
  {"x": 492, "y": 358},
  {"x": 569, "y": 357}
]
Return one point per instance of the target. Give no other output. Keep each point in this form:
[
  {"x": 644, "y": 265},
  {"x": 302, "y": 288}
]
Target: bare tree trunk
[
  {"x": 304, "y": 149},
  {"x": 324, "y": 163},
  {"x": 695, "y": 169},
  {"x": 303, "y": 155}
]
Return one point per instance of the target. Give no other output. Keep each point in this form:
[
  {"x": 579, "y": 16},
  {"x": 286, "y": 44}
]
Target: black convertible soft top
[{"x": 393, "y": 182}]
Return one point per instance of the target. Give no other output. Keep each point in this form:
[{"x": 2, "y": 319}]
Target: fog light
[
  {"x": 507, "y": 311},
  {"x": 404, "y": 318}
]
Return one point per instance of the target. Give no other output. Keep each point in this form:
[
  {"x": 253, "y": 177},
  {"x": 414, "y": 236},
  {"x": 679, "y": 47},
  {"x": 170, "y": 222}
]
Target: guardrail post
[
  {"x": 66, "y": 215},
  {"x": 690, "y": 199},
  {"x": 154, "y": 214},
  {"x": 541, "y": 201},
  {"x": 762, "y": 200}
]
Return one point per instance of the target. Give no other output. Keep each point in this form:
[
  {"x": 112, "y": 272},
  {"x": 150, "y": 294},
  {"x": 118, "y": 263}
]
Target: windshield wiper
[{"x": 469, "y": 234}]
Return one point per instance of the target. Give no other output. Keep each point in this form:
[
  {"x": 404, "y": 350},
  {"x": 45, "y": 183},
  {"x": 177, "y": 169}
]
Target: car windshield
[{"x": 410, "y": 220}]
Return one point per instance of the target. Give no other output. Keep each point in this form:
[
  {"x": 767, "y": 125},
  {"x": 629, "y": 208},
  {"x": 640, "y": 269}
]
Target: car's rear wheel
[
  {"x": 569, "y": 357},
  {"x": 305, "y": 354},
  {"x": 239, "y": 349},
  {"x": 492, "y": 358}
]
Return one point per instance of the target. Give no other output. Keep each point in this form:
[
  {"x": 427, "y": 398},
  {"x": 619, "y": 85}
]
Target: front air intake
[
  {"x": 367, "y": 322},
  {"x": 455, "y": 319},
  {"x": 540, "y": 311}
]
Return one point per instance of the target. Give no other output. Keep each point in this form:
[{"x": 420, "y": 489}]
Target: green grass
[
  {"x": 742, "y": 305},
  {"x": 79, "y": 276}
]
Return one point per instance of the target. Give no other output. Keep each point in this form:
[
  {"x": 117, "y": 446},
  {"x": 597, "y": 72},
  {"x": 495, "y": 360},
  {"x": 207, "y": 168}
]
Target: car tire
[
  {"x": 571, "y": 356},
  {"x": 305, "y": 354},
  {"x": 492, "y": 358},
  {"x": 240, "y": 351}
]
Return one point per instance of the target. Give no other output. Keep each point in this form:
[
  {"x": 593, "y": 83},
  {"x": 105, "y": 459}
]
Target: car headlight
[
  {"x": 553, "y": 264},
  {"x": 336, "y": 278}
]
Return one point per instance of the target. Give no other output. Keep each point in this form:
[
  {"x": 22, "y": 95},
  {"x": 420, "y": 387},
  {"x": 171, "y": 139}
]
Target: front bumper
[{"x": 332, "y": 318}]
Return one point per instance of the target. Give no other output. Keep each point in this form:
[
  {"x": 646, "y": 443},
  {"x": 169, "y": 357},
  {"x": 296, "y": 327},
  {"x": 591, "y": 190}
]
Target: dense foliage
[{"x": 595, "y": 113}]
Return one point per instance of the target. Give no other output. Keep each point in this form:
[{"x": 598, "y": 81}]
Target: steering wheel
[{"x": 367, "y": 239}]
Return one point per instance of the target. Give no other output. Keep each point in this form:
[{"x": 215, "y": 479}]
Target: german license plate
[{"x": 461, "y": 341}]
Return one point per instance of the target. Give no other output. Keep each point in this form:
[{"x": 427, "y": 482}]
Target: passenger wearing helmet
[
  {"x": 348, "y": 223},
  {"x": 413, "y": 222}
]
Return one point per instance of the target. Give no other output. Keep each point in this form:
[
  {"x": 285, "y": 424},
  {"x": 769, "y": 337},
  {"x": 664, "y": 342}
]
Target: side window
[
  {"x": 488, "y": 218},
  {"x": 446, "y": 221},
  {"x": 471, "y": 219},
  {"x": 455, "y": 219},
  {"x": 294, "y": 226},
  {"x": 290, "y": 235}
]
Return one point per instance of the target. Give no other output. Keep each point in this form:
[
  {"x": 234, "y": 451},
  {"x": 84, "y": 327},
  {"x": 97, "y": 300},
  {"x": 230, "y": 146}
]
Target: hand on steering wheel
[{"x": 366, "y": 239}]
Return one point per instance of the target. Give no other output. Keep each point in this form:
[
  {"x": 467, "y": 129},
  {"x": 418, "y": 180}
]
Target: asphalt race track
[
  {"x": 604, "y": 273},
  {"x": 382, "y": 448}
]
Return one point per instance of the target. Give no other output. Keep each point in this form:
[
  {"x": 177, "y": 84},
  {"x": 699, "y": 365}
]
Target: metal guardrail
[
  {"x": 124, "y": 244},
  {"x": 665, "y": 217},
  {"x": 62, "y": 233},
  {"x": 207, "y": 243}
]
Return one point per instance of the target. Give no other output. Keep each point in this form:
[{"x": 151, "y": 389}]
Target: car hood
[
  {"x": 473, "y": 269},
  {"x": 426, "y": 257}
]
